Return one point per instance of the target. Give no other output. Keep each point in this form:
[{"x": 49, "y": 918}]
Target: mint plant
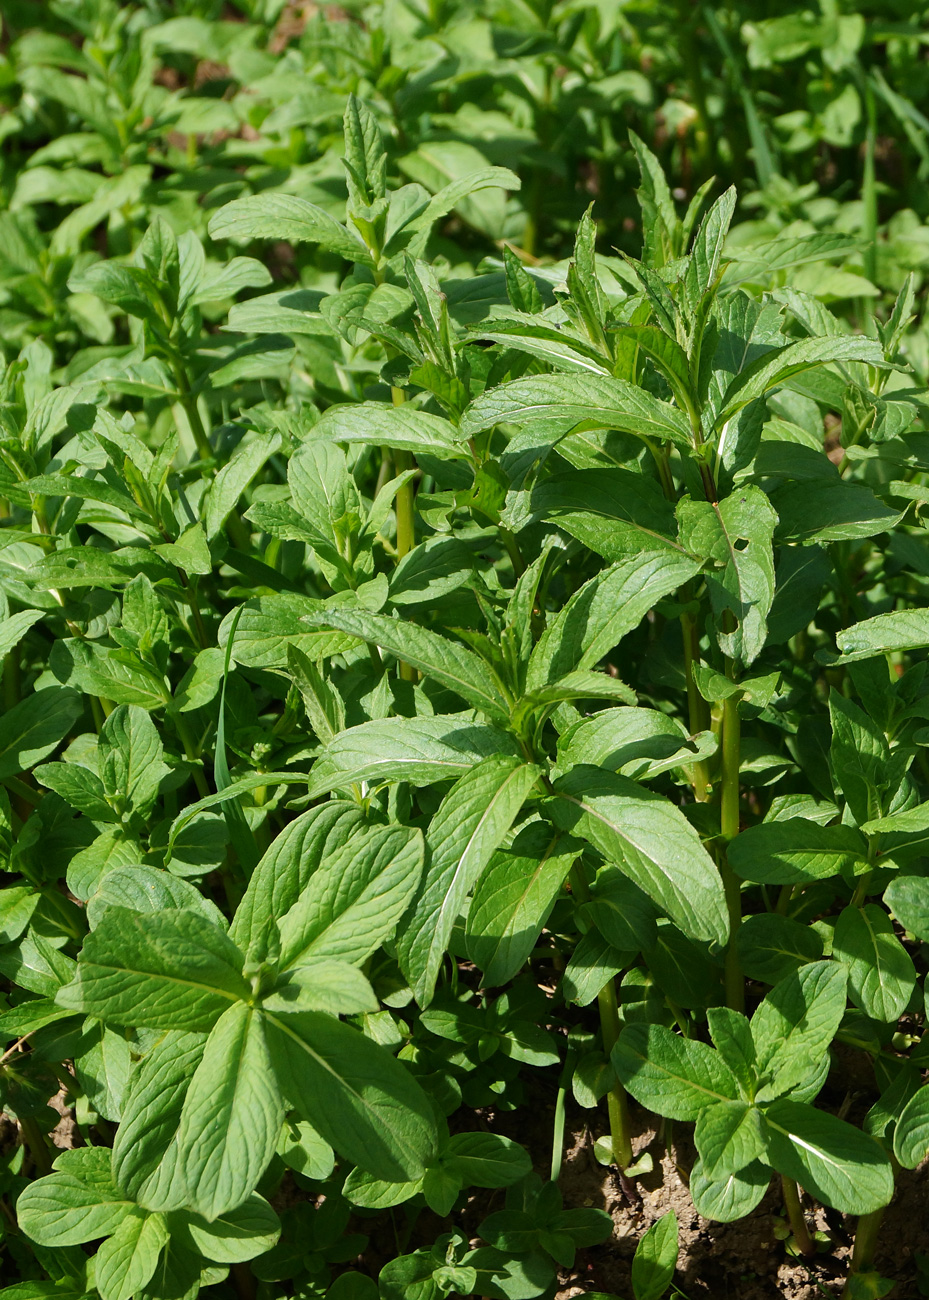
[{"x": 460, "y": 706}]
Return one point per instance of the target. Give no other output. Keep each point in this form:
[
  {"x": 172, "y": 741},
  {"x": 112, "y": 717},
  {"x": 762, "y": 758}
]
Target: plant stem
[
  {"x": 866, "y": 1238},
  {"x": 184, "y": 736},
  {"x": 191, "y": 410},
  {"x": 37, "y": 1143},
  {"x": 620, "y": 1135},
  {"x": 406, "y": 525},
  {"x": 869, "y": 184},
  {"x": 795, "y": 1218},
  {"x": 729, "y": 826}
]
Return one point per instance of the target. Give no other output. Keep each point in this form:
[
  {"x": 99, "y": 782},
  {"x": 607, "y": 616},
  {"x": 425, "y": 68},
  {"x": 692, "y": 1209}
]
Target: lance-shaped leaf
[
  {"x": 353, "y": 902},
  {"x": 706, "y": 255},
  {"x": 417, "y": 750},
  {"x": 672, "y": 1076},
  {"x": 830, "y": 510},
  {"x": 603, "y": 611},
  {"x": 839, "y": 1164},
  {"x": 729, "y": 1135},
  {"x": 796, "y": 1022},
  {"x": 554, "y": 404},
  {"x": 774, "y": 368},
  {"x": 405, "y": 428},
  {"x": 904, "y": 629},
  {"x": 354, "y": 1093},
  {"x": 76, "y": 1203},
  {"x": 513, "y": 900},
  {"x": 462, "y": 838},
  {"x": 860, "y": 757},
  {"x": 735, "y": 535},
  {"x": 795, "y": 851},
  {"x": 126, "y": 1261},
  {"x": 285, "y": 216},
  {"x": 651, "y": 841},
  {"x": 908, "y": 899},
  {"x": 168, "y": 970},
  {"x": 454, "y": 665},
  {"x": 881, "y": 974},
  {"x": 232, "y": 1115},
  {"x": 559, "y": 345},
  {"x": 283, "y": 872},
  {"x": 613, "y": 511},
  {"x": 144, "y": 1151},
  {"x": 31, "y": 729},
  {"x": 911, "y": 1132}
]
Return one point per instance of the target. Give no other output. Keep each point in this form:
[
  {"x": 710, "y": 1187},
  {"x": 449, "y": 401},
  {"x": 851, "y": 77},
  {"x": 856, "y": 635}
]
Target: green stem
[
  {"x": 866, "y": 1238},
  {"x": 620, "y": 1128},
  {"x": 869, "y": 184},
  {"x": 729, "y": 827},
  {"x": 190, "y": 753},
  {"x": 795, "y": 1217},
  {"x": 558, "y": 1131},
  {"x": 191, "y": 410}
]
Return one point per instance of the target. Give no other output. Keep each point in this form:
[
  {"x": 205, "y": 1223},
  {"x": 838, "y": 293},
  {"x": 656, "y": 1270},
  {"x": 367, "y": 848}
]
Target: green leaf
[
  {"x": 127, "y": 1260},
  {"x": 839, "y": 1164},
  {"x": 513, "y": 900},
  {"x": 772, "y": 946},
  {"x": 453, "y": 665},
  {"x": 241, "y": 1234},
  {"x": 65, "y": 1209},
  {"x": 795, "y": 851},
  {"x": 269, "y": 625},
  {"x": 881, "y": 974},
  {"x": 636, "y": 742},
  {"x": 131, "y": 759},
  {"x": 353, "y": 901},
  {"x": 905, "y": 629},
  {"x": 651, "y": 841},
  {"x": 486, "y": 1159},
  {"x": 285, "y": 216},
  {"x": 322, "y": 984},
  {"x": 287, "y": 866},
  {"x": 797, "y": 1021},
  {"x": 735, "y": 536},
  {"x": 911, "y": 1132},
  {"x": 464, "y": 834},
  {"x": 168, "y": 970},
  {"x": 706, "y": 255},
  {"x": 30, "y": 730},
  {"x": 151, "y": 1114},
  {"x": 418, "y": 750},
  {"x": 552, "y": 405},
  {"x": 602, "y": 612},
  {"x": 15, "y": 627},
  {"x": 404, "y": 428},
  {"x": 908, "y": 899},
  {"x": 731, "y": 1198},
  {"x": 729, "y": 1136},
  {"x": 827, "y": 510},
  {"x": 232, "y": 1115},
  {"x": 613, "y": 511},
  {"x": 361, "y": 1100},
  {"x": 673, "y": 1076},
  {"x": 655, "y": 1259},
  {"x": 593, "y": 962},
  {"x": 773, "y": 368},
  {"x": 860, "y": 757}
]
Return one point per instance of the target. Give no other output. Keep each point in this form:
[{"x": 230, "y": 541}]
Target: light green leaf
[
  {"x": 554, "y": 404},
  {"x": 127, "y": 1260},
  {"x": 167, "y": 970},
  {"x": 31, "y": 729},
  {"x": 465, "y": 832},
  {"x": 655, "y": 1259},
  {"x": 232, "y": 1115},
  {"x": 839, "y": 1164},
  {"x": 405, "y": 428},
  {"x": 795, "y": 851},
  {"x": 240, "y": 1234},
  {"x": 651, "y": 841},
  {"x": 450, "y": 663},
  {"x": 911, "y": 1132},
  {"x": 797, "y": 1021},
  {"x": 673, "y": 1076},
  {"x": 285, "y": 216},
  {"x": 881, "y": 974},
  {"x": 731, "y": 1198},
  {"x": 360, "y": 1099},
  {"x": 729, "y": 1136},
  {"x": 353, "y": 901}
]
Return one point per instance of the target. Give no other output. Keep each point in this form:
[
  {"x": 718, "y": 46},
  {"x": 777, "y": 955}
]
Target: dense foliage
[{"x": 463, "y": 574}]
